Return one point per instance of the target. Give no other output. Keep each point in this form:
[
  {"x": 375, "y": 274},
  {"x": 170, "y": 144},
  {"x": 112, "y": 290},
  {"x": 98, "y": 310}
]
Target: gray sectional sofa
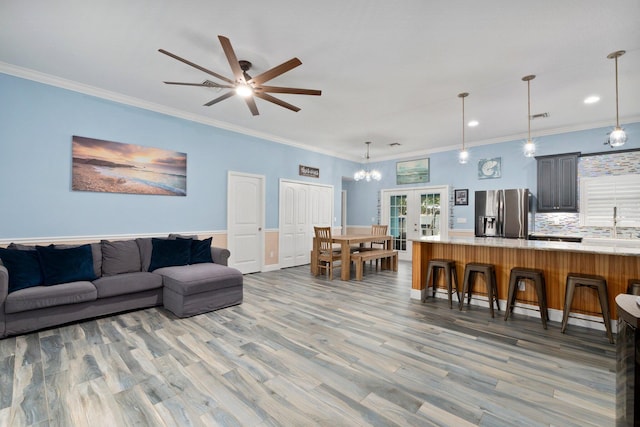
[{"x": 44, "y": 286}]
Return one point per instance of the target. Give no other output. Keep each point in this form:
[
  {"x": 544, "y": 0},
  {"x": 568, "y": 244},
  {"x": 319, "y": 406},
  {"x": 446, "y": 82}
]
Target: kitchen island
[{"x": 616, "y": 263}]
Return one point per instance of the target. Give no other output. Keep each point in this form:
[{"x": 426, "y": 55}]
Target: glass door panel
[
  {"x": 414, "y": 214},
  {"x": 398, "y": 221},
  {"x": 429, "y": 214}
]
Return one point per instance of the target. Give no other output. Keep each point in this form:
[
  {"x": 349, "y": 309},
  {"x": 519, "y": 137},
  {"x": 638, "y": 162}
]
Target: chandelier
[{"x": 365, "y": 173}]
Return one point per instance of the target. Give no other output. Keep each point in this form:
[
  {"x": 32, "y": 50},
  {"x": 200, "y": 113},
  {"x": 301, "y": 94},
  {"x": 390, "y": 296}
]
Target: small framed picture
[{"x": 461, "y": 197}]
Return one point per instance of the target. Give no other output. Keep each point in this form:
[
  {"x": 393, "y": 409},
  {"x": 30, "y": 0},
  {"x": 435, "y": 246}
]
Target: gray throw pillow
[{"x": 120, "y": 256}]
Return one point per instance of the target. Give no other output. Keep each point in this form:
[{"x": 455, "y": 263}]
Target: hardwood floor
[{"x": 304, "y": 351}]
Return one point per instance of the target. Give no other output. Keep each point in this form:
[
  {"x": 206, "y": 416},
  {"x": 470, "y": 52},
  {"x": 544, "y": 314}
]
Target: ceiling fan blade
[
  {"x": 251, "y": 103},
  {"x": 206, "y": 83},
  {"x": 231, "y": 57},
  {"x": 216, "y": 75},
  {"x": 276, "y": 71},
  {"x": 275, "y": 100},
  {"x": 220, "y": 98},
  {"x": 297, "y": 91}
]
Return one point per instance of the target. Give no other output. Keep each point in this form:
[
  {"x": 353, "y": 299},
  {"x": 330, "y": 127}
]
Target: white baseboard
[{"x": 555, "y": 315}]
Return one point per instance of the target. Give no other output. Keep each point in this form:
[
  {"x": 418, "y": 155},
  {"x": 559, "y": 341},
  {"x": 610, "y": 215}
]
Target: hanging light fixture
[
  {"x": 617, "y": 137},
  {"x": 365, "y": 173},
  {"x": 529, "y": 146},
  {"x": 463, "y": 156}
]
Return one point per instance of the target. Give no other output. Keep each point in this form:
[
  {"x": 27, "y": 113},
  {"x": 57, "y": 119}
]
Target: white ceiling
[{"x": 389, "y": 71}]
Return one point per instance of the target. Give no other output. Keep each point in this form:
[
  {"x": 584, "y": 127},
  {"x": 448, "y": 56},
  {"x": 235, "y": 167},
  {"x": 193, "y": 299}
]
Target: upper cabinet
[{"x": 557, "y": 183}]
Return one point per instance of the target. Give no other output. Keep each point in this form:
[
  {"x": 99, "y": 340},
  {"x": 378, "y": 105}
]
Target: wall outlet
[
  {"x": 556, "y": 221},
  {"x": 461, "y": 220},
  {"x": 271, "y": 254},
  {"x": 521, "y": 286}
]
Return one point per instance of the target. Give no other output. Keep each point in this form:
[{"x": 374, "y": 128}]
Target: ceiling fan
[{"x": 244, "y": 85}]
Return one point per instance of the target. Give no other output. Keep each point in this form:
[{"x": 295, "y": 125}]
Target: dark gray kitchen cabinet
[{"x": 557, "y": 183}]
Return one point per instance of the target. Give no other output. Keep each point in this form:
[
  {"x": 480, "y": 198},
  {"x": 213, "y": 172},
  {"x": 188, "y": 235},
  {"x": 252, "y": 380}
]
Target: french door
[{"x": 415, "y": 213}]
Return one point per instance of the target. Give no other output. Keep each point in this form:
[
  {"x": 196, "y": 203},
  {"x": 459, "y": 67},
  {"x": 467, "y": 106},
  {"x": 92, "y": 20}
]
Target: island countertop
[
  {"x": 617, "y": 264},
  {"x": 501, "y": 242}
]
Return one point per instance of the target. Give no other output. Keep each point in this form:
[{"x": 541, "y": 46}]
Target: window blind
[{"x": 599, "y": 195}]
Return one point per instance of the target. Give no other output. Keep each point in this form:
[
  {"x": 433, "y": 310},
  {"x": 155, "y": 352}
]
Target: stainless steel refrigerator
[{"x": 502, "y": 213}]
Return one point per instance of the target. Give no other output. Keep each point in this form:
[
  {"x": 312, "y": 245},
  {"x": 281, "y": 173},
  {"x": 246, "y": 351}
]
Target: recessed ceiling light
[
  {"x": 473, "y": 123},
  {"x": 591, "y": 99}
]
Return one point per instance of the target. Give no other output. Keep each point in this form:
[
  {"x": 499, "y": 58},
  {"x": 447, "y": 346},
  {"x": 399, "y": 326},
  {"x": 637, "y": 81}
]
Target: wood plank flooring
[{"x": 305, "y": 351}]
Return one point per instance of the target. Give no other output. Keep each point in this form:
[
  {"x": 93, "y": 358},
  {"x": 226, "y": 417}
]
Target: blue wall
[
  {"x": 518, "y": 171},
  {"x": 37, "y": 122}
]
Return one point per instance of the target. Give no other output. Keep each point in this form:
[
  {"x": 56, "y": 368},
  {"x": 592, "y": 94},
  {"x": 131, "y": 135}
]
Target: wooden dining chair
[
  {"x": 325, "y": 255},
  {"x": 377, "y": 230}
]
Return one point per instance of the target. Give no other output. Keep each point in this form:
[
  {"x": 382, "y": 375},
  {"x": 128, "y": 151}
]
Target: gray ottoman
[{"x": 200, "y": 288}]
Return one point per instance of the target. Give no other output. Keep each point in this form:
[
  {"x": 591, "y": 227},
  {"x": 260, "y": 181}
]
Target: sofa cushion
[
  {"x": 48, "y": 296},
  {"x": 145, "y": 247},
  {"x": 168, "y": 253},
  {"x": 200, "y": 250},
  {"x": 120, "y": 256},
  {"x": 65, "y": 265},
  {"x": 23, "y": 267},
  {"x": 127, "y": 283},
  {"x": 96, "y": 252},
  {"x": 196, "y": 278}
]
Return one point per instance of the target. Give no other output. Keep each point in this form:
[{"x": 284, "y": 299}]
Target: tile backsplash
[{"x": 568, "y": 224}]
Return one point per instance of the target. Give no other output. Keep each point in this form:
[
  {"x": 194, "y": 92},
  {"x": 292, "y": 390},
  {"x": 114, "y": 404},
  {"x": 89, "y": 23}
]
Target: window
[{"x": 599, "y": 195}]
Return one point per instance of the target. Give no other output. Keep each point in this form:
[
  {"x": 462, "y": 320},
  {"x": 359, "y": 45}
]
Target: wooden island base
[{"x": 556, "y": 263}]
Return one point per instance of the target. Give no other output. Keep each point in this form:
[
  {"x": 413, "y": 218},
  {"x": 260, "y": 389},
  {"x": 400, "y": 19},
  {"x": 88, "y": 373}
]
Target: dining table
[{"x": 346, "y": 241}]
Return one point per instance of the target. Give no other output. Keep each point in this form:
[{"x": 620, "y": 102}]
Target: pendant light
[
  {"x": 617, "y": 137},
  {"x": 365, "y": 173},
  {"x": 463, "y": 155},
  {"x": 529, "y": 146}
]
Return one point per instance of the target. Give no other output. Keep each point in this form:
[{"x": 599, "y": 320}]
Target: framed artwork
[
  {"x": 490, "y": 168},
  {"x": 461, "y": 197},
  {"x": 412, "y": 171},
  {"x": 115, "y": 167}
]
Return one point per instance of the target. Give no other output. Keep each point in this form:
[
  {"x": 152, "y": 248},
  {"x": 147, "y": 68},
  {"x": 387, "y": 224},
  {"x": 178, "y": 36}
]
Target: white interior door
[
  {"x": 294, "y": 224},
  {"x": 414, "y": 213},
  {"x": 302, "y": 206},
  {"x": 245, "y": 221}
]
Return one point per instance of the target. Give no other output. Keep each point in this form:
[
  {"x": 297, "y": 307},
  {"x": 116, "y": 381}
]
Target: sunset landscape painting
[{"x": 115, "y": 167}]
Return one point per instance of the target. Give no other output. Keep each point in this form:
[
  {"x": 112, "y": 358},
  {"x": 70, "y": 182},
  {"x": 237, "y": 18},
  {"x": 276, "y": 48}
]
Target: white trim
[
  {"x": 55, "y": 81},
  {"x": 51, "y": 80},
  {"x": 98, "y": 237},
  {"x": 270, "y": 267},
  {"x": 555, "y": 315}
]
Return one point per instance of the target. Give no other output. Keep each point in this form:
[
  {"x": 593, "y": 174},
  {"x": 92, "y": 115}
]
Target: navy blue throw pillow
[
  {"x": 66, "y": 265},
  {"x": 169, "y": 253},
  {"x": 23, "y": 267},
  {"x": 200, "y": 250}
]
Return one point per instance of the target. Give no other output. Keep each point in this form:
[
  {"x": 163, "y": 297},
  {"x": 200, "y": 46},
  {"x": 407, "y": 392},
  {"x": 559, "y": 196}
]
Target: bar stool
[
  {"x": 537, "y": 276},
  {"x": 598, "y": 283},
  {"x": 449, "y": 268},
  {"x": 489, "y": 271},
  {"x": 633, "y": 287}
]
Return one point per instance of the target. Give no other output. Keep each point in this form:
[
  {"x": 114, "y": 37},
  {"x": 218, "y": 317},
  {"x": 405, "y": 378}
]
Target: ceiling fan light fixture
[
  {"x": 365, "y": 173},
  {"x": 244, "y": 90},
  {"x": 618, "y": 137}
]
